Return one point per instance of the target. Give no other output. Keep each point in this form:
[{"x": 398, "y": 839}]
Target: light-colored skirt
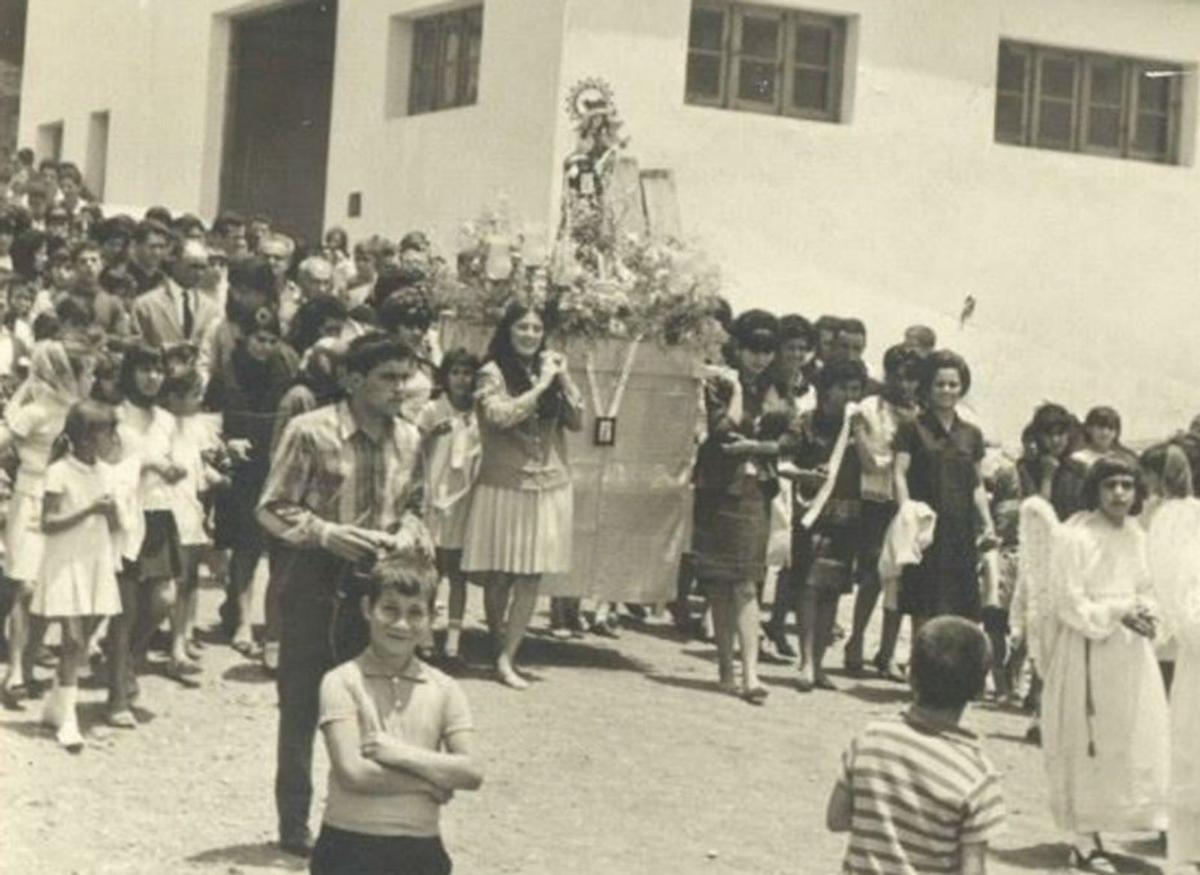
[
  {"x": 78, "y": 575},
  {"x": 519, "y": 531},
  {"x": 24, "y": 542}
]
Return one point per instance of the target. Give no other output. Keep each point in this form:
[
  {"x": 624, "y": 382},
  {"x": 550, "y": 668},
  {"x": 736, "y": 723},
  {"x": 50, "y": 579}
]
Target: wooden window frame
[
  {"x": 1023, "y": 94},
  {"x": 427, "y": 91},
  {"x": 721, "y": 54},
  {"x": 1131, "y": 71},
  {"x": 785, "y": 63}
]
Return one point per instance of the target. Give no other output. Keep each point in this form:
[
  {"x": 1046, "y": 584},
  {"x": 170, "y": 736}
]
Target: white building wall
[
  {"x": 1083, "y": 267},
  {"x": 436, "y": 170},
  {"x": 161, "y": 68}
]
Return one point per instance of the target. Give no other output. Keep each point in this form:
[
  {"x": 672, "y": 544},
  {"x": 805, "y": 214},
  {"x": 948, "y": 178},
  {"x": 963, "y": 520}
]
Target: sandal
[
  {"x": 10, "y": 698},
  {"x": 181, "y": 673},
  {"x": 122, "y": 719},
  {"x": 778, "y": 638},
  {"x": 756, "y": 695},
  {"x": 889, "y": 671},
  {"x": 1096, "y": 861},
  {"x": 822, "y": 682}
]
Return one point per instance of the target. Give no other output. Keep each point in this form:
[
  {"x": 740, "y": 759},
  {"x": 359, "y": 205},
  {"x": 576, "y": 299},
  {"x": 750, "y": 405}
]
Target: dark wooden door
[{"x": 277, "y": 138}]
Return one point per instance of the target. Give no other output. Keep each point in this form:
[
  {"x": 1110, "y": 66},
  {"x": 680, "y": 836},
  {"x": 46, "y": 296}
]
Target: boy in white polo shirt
[{"x": 399, "y": 737}]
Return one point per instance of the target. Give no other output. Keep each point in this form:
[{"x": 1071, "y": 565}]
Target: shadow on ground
[
  {"x": 247, "y": 673},
  {"x": 265, "y": 854},
  {"x": 1053, "y": 856},
  {"x": 548, "y": 652},
  {"x": 893, "y": 694}
]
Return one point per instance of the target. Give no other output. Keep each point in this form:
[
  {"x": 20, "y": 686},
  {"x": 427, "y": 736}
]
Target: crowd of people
[{"x": 180, "y": 395}]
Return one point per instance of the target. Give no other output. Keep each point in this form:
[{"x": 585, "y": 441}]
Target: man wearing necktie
[{"x": 175, "y": 312}]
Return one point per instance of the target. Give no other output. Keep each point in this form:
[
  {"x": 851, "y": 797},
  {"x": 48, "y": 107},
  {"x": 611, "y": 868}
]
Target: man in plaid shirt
[{"x": 343, "y": 483}]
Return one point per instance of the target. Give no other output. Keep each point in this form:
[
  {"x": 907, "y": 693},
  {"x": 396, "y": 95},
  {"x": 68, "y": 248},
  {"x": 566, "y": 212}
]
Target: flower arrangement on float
[{"x": 663, "y": 291}]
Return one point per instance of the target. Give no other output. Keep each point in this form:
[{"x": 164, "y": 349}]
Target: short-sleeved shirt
[
  {"x": 422, "y": 707},
  {"x": 920, "y": 792},
  {"x": 943, "y": 471}
]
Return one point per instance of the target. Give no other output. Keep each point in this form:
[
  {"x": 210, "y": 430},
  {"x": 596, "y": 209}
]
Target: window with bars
[
  {"x": 1073, "y": 101},
  {"x": 445, "y": 60},
  {"x": 765, "y": 59}
]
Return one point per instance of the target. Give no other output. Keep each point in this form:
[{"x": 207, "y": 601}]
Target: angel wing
[
  {"x": 1173, "y": 550},
  {"x": 1033, "y": 605}
]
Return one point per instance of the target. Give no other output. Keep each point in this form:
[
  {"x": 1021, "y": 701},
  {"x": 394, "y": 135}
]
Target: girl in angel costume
[
  {"x": 1173, "y": 546},
  {"x": 1090, "y": 625}
]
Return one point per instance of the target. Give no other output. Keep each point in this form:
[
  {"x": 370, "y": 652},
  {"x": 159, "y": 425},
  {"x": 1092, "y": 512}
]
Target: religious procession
[{"x": 487, "y": 539}]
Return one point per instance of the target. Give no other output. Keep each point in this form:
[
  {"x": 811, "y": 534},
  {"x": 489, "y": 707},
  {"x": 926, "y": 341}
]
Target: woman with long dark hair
[{"x": 519, "y": 526}]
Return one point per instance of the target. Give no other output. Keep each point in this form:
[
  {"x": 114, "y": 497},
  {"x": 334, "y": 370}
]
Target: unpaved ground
[{"x": 621, "y": 759}]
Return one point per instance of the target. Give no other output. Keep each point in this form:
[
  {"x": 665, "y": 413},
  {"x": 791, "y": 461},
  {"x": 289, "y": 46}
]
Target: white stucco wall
[
  {"x": 436, "y": 170},
  {"x": 1083, "y": 267}
]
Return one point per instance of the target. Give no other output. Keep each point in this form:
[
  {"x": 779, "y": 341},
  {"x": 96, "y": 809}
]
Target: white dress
[
  {"x": 78, "y": 571},
  {"x": 34, "y": 425},
  {"x": 1104, "y": 708},
  {"x": 451, "y": 464},
  {"x": 1174, "y": 550},
  {"x": 192, "y": 436}
]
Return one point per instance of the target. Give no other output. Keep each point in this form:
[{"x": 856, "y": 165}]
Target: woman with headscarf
[
  {"x": 246, "y": 392},
  {"x": 1173, "y": 549},
  {"x": 34, "y": 418}
]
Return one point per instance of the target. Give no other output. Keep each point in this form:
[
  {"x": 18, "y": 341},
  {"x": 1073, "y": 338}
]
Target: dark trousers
[
  {"x": 322, "y": 625},
  {"x": 119, "y": 645},
  {"x": 340, "y": 852}
]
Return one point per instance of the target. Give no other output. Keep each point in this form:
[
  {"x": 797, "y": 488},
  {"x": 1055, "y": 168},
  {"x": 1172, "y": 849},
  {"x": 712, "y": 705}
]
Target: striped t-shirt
[{"x": 919, "y": 792}]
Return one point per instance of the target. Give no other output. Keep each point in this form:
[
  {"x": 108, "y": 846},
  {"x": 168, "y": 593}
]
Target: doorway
[{"x": 277, "y": 116}]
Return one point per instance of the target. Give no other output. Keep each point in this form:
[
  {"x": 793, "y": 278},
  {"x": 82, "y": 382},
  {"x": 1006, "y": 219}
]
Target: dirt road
[{"x": 622, "y": 758}]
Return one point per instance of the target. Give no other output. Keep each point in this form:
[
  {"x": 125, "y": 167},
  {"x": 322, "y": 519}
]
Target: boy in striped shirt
[{"x": 917, "y": 794}]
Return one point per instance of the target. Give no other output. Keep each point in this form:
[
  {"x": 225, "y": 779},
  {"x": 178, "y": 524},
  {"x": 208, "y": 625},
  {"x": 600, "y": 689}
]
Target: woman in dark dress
[
  {"x": 735, "y": 480},
  {"x": 938, "y": 458},
  {"x": 247, "y": 391}
]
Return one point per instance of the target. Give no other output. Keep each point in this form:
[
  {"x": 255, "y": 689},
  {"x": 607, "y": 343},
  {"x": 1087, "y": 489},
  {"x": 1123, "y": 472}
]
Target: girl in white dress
[
  {"x": 1104, "y": 709},
  {"x": 193, "y": 436},
  {"x": 451, "y": 454},
  {"x": 1173, "y": 545},
  {"x": 34, "y": 418},
  {"x": 77, "y": 582}
]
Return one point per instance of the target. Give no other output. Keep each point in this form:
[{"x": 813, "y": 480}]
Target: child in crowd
[
  {"x": 150, "y": 540},
  {"x": 399, "y": 736},
  {"x": 195, "y": 436},
  {"x": 1102, "y": 435},
  {"x": 20, "y": 316},
  {"x": 77, "y": 584},
  {"x": 925, "y": 756},
  {"x": 1173, "y": 550},
  {"x": 451, "y": 456},
  {"x": 999, "y": 574},
  {"x": 1105, "y": 723}
]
